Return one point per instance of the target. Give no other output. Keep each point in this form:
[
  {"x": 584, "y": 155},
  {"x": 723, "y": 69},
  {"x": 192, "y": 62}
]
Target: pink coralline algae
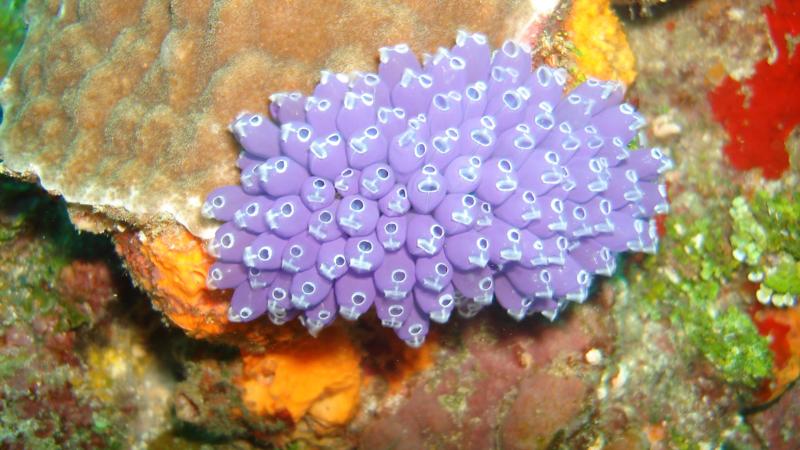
[{"x": 432, "y": 187}]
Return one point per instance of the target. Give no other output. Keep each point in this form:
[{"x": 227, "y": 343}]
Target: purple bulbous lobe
[
  {"x": 355, "y": 294},
  {"x": 499, "y": 180},
  {"x": 265, "y": 252},
  {"x": 366, "y": 147},
  {"x": 332, "y": 86},
  {"x": 425, "y": 236},
  {"x": 251, "y": 216},
  {"x": 468, "y": 250},
  {"x": 246, "y": 161},
  {"x": 407, "y": 152},
  {"x": 296, "y": 137},
  {"x": 222, "y": 203},
  {"x": 257, "y": 135},
  {"x": 474, "y": 100},
  {"x": 505, "y": 243},
  {"x": 501, "y": 80},
  {"x": 364, "y": 253},
  {"x": 515, "y": 144},
  {"x": 515, "y": 303},
  {"x": 394, "y": 61},
  {"x": 392, "y": 313},
  {"x": 287, "y": 217},
  {"x": 619, "y": 121},
  {"x": 474, "y": 49},
  {"x": 357, "y": 113},
  {"x": 357, "y": 215},
  {"x": 414, "y": 328},
  {"x": 426, "y": 189},
  {"x": 247, "y": 304},
  {"x": 391, "y": 232},
  {"x": 546, "y": 85},
  {"x": 553, "y": 219},
  {"x": 321, "y": 115},
  {"x": 514, "y": 55},
  {"x": 376, "y": 181},
  {"x": 327, "y": 156},
  {"x": 396, "y": 202},
  {"x": 395, "y": 278},
  {"x": 437, "y": 305},
  {"x": 346, "y": 183},
  {"x": 287, "y": 107},
  {"x": 648, "y": 163},
  {"x": 447, "y": 70},
  {"x": 444, "y": 148},
  {"x": 520, "y": 209},
  {"x": 391, "y": 121},
  {"x": 463, "y": 175},
  {"x": 595, "y": 258},
  {"x": 331, "y": 259},
  {"x": 317, "y": 193},
  {"x": 279, "y": 300},
  {"x": 320, "y": 316},
  {"x": 223, "y": 275},
  {"x": 542, "y": 171},
  {"x": 229, "y": 243},
  {"x": 281, "y": 176},
  {"x": 508, "y": 108},
  {"x": 309, "y": 288},
  {"x": 413, "y": 93},
  {"x": 373, "y": 85},
  {"x": 300, "y": 253},
  {"x": 445, "y": 111},
  {"x": 261, "y": 278},
  {"x": 570, "y": 281},
  {"x": 457, "y": 213},
  {"x": 477, "y": 284},
  {"x": 322, "y": 223},
  {"x": 434, "y": 272}
]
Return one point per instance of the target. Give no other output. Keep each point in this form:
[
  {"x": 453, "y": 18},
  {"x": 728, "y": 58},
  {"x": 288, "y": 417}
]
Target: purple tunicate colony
[{"x": 433, "y": 187}]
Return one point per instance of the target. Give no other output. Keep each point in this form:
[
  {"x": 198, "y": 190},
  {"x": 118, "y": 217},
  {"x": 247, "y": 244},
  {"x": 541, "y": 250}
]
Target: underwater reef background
[{"x": 110, "y": 338}]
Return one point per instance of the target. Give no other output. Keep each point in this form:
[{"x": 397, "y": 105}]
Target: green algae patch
[
  {"x": 766, "y": 241},
  {"x": 40, "y": 358},
  {"x": 730, "y": 341},
  {"x": 12, "y": 31},
  {"x": 687, "y": 282},
  {"x": 37, "y": 241}
]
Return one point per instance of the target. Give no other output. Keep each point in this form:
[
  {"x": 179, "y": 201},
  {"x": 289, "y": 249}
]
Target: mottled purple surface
[{"x": 469, "y": 173}]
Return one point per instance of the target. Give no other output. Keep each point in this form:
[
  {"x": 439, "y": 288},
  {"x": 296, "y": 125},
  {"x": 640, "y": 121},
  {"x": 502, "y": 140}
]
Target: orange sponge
[
  {"x": 601, "y": 48},
  {"x": 320, "y": 377}
]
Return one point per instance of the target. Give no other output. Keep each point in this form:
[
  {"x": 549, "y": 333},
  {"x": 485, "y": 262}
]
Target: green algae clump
[
  {"x": 686, "y": 282},
  {"x": 766, "y": 241},
  {"x": 12, "y": 31}
]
